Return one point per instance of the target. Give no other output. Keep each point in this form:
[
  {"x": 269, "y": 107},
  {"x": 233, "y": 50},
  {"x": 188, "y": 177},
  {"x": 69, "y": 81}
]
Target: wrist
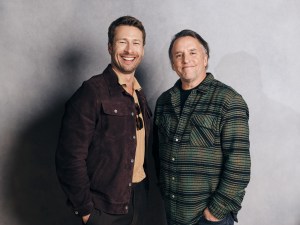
[{"x": 85, "y": 218}]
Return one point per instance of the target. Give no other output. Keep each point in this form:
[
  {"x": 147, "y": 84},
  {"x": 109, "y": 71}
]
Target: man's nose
[
  {"x": 186, "y": 58},
  {"x": 129, "y": 48}
]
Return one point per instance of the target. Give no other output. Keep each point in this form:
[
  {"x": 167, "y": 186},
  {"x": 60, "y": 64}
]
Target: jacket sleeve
[
  {"x": 236, "y": 166},
  {"x": 76, "y": 133}
]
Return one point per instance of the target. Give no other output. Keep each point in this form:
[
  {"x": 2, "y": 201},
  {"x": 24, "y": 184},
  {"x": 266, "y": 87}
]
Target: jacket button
[
  {"x": 129, "y": 184},
  {"x": 76, "y": 212},
  {"x": 115, "y": 111},
  {"x": 126, "y": 207},
  {"x": 133, "y": 137},
  {"x": 132, "y": 160},
  {"x": 132, "y": 113}
]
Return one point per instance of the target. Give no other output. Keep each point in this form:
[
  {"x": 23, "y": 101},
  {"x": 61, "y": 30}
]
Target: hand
[
  {"x": 85, "y": 218},
  {"x": 210, "y": 217}
]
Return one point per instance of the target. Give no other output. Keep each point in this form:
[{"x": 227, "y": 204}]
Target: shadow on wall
[
  {"x": 274, "y": 131},
  {"x": 33, "y": 194},
  {"x": 144, "y": 75},
  {"x": 156, "y": 213}
]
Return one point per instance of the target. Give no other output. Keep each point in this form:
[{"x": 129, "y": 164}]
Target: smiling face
[
  {"x": 189, "y": 61},
  {"x": 127, "y": 49}
]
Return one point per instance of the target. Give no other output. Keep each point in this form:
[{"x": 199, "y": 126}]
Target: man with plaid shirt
[{"x": 201, "y": 140}]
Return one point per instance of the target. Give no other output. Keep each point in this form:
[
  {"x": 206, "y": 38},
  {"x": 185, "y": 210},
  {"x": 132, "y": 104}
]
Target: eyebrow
[
  {"x": 193, "y": 50},
  {"x": 190, "y": 50},
  {"x": 126, "y": 39}
]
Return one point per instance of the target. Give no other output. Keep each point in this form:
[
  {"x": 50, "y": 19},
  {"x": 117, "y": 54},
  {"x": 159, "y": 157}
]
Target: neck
[
  {"x": 187, "y": 86},
  {"x": 119, "y": 72},
  {"x": 190, "y": 84},
  {"x": 129, "y": 88},
  {"x": 127, "y": 78}
]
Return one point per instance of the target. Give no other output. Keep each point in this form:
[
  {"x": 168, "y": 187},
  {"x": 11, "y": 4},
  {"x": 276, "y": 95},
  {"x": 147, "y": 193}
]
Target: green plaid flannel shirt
[{"x": 202, "y": 155}]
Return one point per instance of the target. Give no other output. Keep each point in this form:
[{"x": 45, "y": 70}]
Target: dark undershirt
[{"x": 184, "y": 94}]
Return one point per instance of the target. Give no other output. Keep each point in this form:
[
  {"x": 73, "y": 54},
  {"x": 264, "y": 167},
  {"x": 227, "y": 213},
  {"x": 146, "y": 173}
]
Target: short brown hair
[
  {"x": 125, "y": 20},
  {"x": 190, "y": 33}
]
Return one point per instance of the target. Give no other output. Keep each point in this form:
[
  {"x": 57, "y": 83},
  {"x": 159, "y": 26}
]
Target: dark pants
[
  {"x": 228, "y": 220},
  {"x": 136, "y": 215}
]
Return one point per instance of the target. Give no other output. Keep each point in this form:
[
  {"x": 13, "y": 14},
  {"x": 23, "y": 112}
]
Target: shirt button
[
  {"x": 129, "y": 184},
  {"x": 173, "y": 159},
  {"x": 126, "y": 207},
  {"x": 132, "y": 114},
  {"x": 76, "y": 212},
  {"x": 115, "y": 111},
  {"x": 132, "y": 160},
  {"x": 173, "y": 196},
  {"x": 173, "y": 178},
  {"x": 133, "y": 137},
  {"x": 176, "y": 139}
]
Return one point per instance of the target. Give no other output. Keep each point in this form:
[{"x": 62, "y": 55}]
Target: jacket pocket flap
[{"x": 116, "y": 109}]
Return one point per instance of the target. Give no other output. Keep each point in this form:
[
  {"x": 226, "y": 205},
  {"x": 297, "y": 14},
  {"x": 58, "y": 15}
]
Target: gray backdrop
[{"x": 47, "y": 48}]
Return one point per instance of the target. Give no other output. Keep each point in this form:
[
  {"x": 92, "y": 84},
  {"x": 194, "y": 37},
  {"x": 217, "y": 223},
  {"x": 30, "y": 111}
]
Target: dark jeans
[
  {"x": 136, "y": 215},
  {"x": 228, "y": 220}
]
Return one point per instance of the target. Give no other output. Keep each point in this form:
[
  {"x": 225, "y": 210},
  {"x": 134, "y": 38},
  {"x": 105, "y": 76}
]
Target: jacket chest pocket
[
  {"x": 203, "y": 130},
  {"x": 164, "y": 128},
  {"x": 117, "y": 118}
]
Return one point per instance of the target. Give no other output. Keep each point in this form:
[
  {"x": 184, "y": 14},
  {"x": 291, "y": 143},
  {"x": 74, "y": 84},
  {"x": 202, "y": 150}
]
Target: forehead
[
  {"x": 186, "y": 43},
  {"x": 128, "y": 32}
]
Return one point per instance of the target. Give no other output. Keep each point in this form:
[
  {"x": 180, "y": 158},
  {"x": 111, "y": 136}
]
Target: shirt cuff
[
  {"x": 84, "y": 210},
  {"x": 217, "y": 210}
]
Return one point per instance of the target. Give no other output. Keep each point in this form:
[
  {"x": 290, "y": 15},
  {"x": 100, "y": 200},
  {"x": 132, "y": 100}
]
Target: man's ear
[
  {"x": 109, "y": 47},
  {"x": 173, "y": 68},
  {"x": 206, "y": 60}
]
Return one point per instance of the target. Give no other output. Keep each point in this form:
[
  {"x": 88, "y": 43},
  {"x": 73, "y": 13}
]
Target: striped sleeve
[{"x": 235, "y": 146}]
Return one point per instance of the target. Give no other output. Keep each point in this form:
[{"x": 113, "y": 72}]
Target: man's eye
[
  {"x": 136, "y": 43},
  {"x": 178, "y": 56}
]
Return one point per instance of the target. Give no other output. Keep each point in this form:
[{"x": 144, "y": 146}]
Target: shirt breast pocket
[
  {"x": 203, "y": 131},
  {"x": 164, "y": 128}
]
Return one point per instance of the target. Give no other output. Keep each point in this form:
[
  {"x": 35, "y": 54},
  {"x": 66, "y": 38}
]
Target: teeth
[{"x": 127, "y": 58}]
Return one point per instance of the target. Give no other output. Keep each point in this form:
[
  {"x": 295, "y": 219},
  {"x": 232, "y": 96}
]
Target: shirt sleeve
[
  {"x": 236, "y": 165},
  {"x": 76, "y": 133}
]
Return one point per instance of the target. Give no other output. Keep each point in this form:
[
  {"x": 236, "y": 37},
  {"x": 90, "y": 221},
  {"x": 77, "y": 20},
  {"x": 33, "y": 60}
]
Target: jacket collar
[
  {"x": 111, "y": 79},
  {"x": 114, "y": 87}
]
